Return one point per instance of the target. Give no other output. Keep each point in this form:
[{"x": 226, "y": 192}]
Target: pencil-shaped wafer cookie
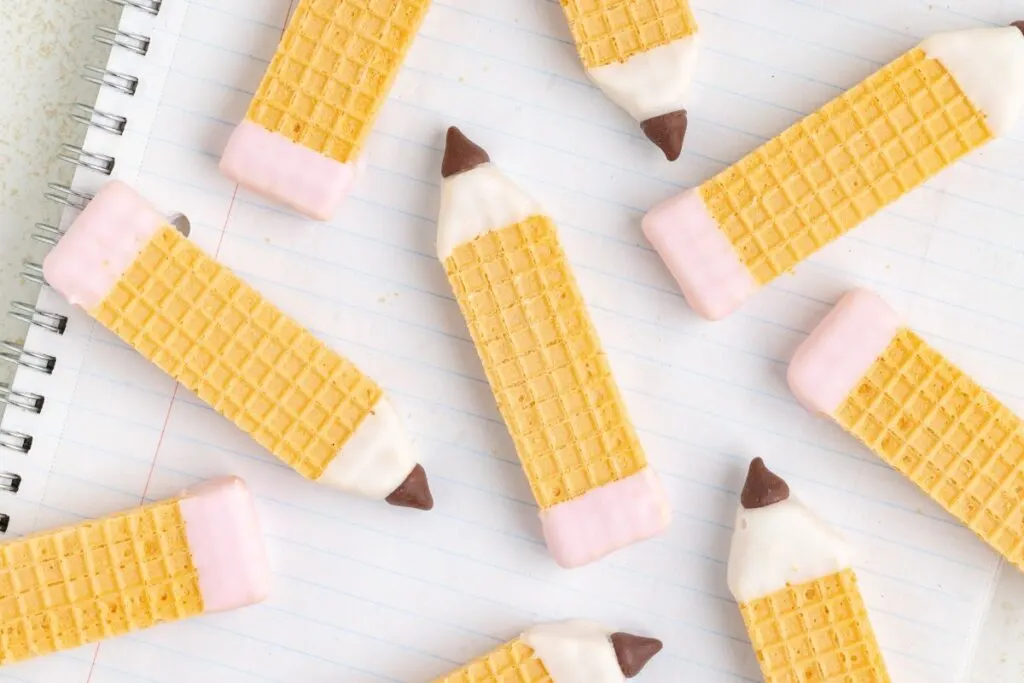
[
  {"x": 222, "y": 340},
  {"x": 641, "y": 53},
  {"x": 544, "y": 362},
  {"x": 197, "y": 553},
  {"x": 920, "y": 413},
  {"x": 840, "y": 165},
  {"x": 304, "y": 132},
  {"x": 791, "y": 575},
  {"x": 561, "y": 652}
]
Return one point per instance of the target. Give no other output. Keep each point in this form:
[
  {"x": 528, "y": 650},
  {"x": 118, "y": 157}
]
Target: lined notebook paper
[{"x": 366, "y": 593}]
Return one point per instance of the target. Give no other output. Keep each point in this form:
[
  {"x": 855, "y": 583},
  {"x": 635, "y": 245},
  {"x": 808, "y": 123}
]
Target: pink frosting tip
[
  {"x": 100, "y": 245},
  {"x": 273, "y": 166},
  {"x": 606, "y": 519},
  {"x": 709, "y": 271},
  {"x": 828, "y": 365},
  {"x": 226, "y": 544}
]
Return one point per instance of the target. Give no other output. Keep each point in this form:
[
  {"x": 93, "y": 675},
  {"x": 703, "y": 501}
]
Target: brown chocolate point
[
  {"x": 414, "y": 492},
  {"x": 461, "y": 154},
  {"x": 667, "y": 132},
  {"x": 633, "y": 652},
  {"x": 763, "y": 487},
  {"x": 1019, "y": 25}
]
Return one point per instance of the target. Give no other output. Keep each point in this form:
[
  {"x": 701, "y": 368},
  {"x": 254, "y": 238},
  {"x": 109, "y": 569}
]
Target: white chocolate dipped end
[
  {"x": 378, "y": 462},
  {"x": 654, "y": 87},
  {"x": 476, "y": 197},
  {"x": 988, "y": 65},
  {"x": 586, "y": 652},
  {"x": 778, "y": 541}
]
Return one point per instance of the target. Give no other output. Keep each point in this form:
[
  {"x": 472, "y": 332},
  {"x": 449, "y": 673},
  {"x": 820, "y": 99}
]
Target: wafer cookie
[
  {"x": 221, "y": 339},
  {"x": 307, "y": 125},
  {"x": 641, "y": 53},
  {"x": 920, "y": 413},
  {"x": 837, "y": 167},
  {"x": 561, "y": 652},
  {"x": 797, "y": 591},
  {"x": 198, "y": 553},
  {"x": 544, "y": 362}
]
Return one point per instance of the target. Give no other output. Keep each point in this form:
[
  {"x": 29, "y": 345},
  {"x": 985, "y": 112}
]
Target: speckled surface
[{"x": 43, "y": 45}]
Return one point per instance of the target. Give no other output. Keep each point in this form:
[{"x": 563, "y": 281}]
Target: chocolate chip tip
[
  {"x": 633, "y": 652},
  {"x": 762, "y": 487},
  {"x": 667, "y": 132},
  {"x": 1019, "y": 25},
  {"x": 461, "y": 154},
  {"x": 414, "y": 492}
]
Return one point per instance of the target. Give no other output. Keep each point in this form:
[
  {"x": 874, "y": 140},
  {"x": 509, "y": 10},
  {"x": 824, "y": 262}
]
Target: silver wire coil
[
  {"x": 133, "y": 42},
  {"x": 20, "y": 443},
  {"x": 93, "y": 117},
  {"x": 21, "y": 399},
  {"x": 62, "y": 194},
  {"x": 150, "y": 6},
  {"x": 13, "y": 352},
  {"x": 36, "y": 317},
  {"x": 78, "y": 156},
  {"x": 47, "y": 234},
  {"x": 32, "y": 272},
  {"x": 105, "y": 78}
]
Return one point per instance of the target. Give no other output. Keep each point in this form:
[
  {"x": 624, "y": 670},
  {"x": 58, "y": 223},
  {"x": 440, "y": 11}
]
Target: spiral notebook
[{"x": 365, "y": 592}]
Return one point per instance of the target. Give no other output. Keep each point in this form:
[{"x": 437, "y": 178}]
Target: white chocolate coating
[
  {"x": 779, "y": 545},
  {"x": 575, "y": 652},
  {"x": 651, "y": 83},
  {"x": 377, "y": 457},
  {"x": 988, "y": 64},
  {"x": 477, "y": 201}
]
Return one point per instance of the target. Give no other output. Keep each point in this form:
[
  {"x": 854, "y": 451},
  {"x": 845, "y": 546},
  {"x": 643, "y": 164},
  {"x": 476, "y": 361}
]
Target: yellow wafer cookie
[
  {"x": 837, "y": 167},
  {"x": 641, "y": 53},
  {"x": 920, "y": 413},
  {"x": 544, "y": 362},
  {"x": 562, "y": 651},
  {"x": 791, "y": 575},
  {"x": 219, "y": 337},
  {"x": 309, "y": 120},
  {"x": 201, "y": 552}
]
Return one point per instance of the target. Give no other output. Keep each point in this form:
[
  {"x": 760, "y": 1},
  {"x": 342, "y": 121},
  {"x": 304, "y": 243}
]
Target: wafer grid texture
[
  {"x": 515, "y": 662},
  {"x": 840, "y": 165},
  {"x": 611, "y": 31},
  {"x": 815, "y": 632},
  {"x": 62, "y": 589},
  {"x": 957, "y": 442},
  {"x": 222, "y": 340},
  {"x": 332, "y": 72},
  {"x": 544, "y": 361}
]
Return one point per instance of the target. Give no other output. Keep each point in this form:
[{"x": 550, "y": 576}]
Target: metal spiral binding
[
  {"x": 133, "y": 42},
  {"x": 36, "y": 317},
  {"x": 78, "y": 156},
  {"x": 105, "y": 78},
  {"x": 91, "y": 116},
  {"x": 21, "y": 399},
  {"x": 49, "y": 234},
  {"x": 151, "y": 6},
  {"x": 32, "y": 272}
]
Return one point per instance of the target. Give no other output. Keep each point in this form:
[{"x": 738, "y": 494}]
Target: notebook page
[{"x": 364, "y": 592}]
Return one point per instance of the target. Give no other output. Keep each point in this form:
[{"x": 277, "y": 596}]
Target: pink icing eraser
[
  {"x": 828, "y": 365},
  {"x": 606, "y": 519},
  {"x": 226, "y": 544},
  {"x": 271, "y": 165},
  {"x": 709, "y": 272}
]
